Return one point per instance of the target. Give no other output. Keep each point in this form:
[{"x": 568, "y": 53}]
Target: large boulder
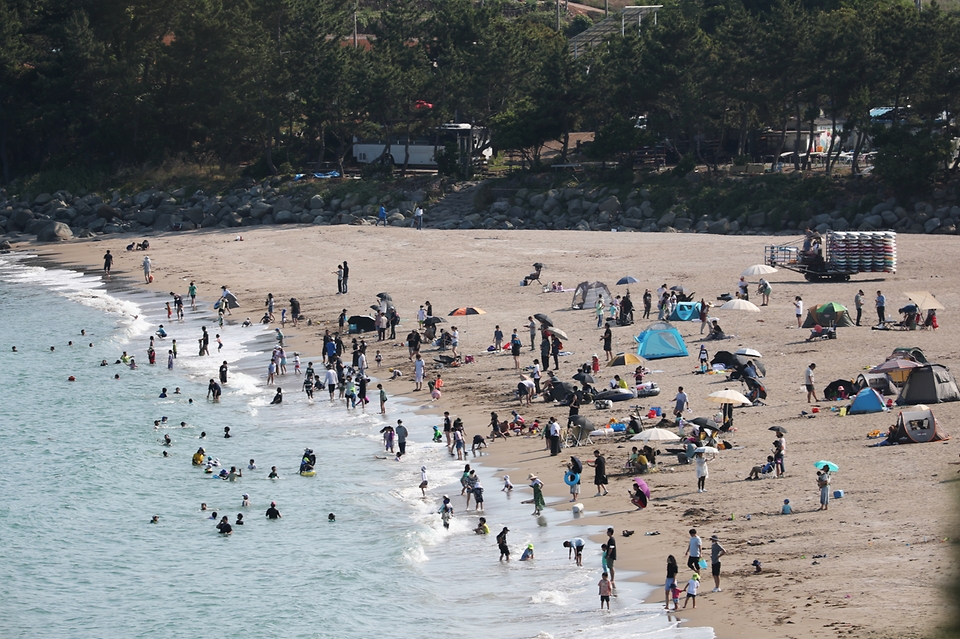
[
  {"x": 720, "y": 227},
  {"x": 666, "y": 219},
  {"x": 610, "y": 205},
  {"x": 107, "y": 212},
  {"x": 42, "y": 199},
  {"x": 283, "y": 217},
  {"x": 259, "y": 209},
  {"x": 21, "y": 218},
  {"x": 55, "y": 232},
  {"x": 146, "y": 217},
  {"x": 931, "y": 225},
  {"x": 194, "y": 214},
  {"x": 889, "y": 218},
  {"x": 316, "y": 203}
]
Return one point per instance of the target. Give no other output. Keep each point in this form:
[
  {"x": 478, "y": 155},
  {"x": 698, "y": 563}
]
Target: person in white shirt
[
  {"x": 331, "y": 381},
  {"x": 798, "y": 309},
  {"x": 692, "y": 586}
]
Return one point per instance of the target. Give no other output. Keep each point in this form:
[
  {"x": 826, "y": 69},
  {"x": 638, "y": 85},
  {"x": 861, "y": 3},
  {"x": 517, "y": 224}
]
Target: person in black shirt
[
  {"x": 272, "y": 512},
  {"x": 107, "y": 262},
  {"x": 346, "y": 276},
  {"x": 611, "y": 553},
  {"x": 600, "y": 476},
  {"x": 214, "y": 389},
  {"x": 224, "y": 526}
]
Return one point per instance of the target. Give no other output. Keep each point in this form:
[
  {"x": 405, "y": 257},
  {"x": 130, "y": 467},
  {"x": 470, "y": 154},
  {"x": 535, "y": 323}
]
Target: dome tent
[
  {"x": 686, "y": 312},
  {"x": 659, "y": 341},
  {"x": 829, "y": 314},
  {"x": 930, "y": 384},
  {"x": 587, "y": 294},
  {"x": 917, "y": 427},
  {"x": 866, "y": 401}
]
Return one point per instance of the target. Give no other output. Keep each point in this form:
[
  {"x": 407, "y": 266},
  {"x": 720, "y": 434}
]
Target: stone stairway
[{"x": 455, "y": 205}]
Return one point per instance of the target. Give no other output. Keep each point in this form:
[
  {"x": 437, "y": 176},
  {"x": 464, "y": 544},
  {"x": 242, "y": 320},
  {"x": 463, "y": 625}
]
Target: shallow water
[{"x": 83, "y": 473}]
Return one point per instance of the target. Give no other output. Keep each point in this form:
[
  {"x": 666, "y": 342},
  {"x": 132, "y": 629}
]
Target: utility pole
[
  {"x": 356, "y": 6},
  {"x": 558, "y": 16}
]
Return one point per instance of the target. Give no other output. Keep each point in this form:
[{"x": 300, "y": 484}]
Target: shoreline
[{"x": 792, "y": 596}]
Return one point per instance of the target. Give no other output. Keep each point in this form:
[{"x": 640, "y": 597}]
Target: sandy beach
[{"x": 875, "y": 564}]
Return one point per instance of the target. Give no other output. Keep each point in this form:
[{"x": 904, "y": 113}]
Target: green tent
[{"x": 829, "y": 314}]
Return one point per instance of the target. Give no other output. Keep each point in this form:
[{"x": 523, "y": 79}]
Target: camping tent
[
  {"x": 917, "y": 427},
  {"x": 686, "y": 312},
  {"x": 829, "y": 314},
  {"x": 362, "y": 324},
  {"x": 879, "y": 382},
  {"x": 587, "y": 293},
  {"x": 660, "y": 340},
  {"x": 866, "y": 401},
  {"x": 910, "y": 352},
  {"x": 929, "y": 384}
]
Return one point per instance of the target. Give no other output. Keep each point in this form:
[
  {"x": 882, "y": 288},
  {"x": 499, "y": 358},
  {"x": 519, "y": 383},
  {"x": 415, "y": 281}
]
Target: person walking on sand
[
  {"x": 716, "y": 552},
  {"x": 881, "y": 308},
  {"x": 148, "y": 266},
  {"x": 605, "y": 590},
  {"x": 107, "y": 263},
  {"x": 858, "y": 304},
  {"x": 532, "y": 327},
  {"x": 702, "y": 472},
  {"x": 694, "y": 548},
  {"x": 808, "y": 382},
  {"x": 600, "y": 473},
  {"x": 671, "y": 582},
  {"x": 515, "y": 346},
  {"x": 692, "y": 586},
  {"x": 704, "y": 316},
  {"x": 346, "y": 278},
  {"x": 798, "y": 311}
]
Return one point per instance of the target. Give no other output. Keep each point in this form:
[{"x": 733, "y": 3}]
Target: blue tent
[
  {"x": 867, "y": 401},
  {"x": 660, "y": 340},
  {"x": 686, "y": 312}
]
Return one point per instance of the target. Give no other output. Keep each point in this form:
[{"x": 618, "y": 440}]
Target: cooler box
[{"x": 837, "y": 494}]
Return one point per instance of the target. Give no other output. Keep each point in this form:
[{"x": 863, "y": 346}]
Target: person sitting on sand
[
  {"x": 716, "y": 332},
  {"x": 757, "y": 471}
]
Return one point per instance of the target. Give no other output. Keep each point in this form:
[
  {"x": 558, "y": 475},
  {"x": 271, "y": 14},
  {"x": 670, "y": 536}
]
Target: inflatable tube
[
  {"x": 571, "y": 478},
  {"x": 309, "y": 473},
  {"x": 616, "y": 395}
]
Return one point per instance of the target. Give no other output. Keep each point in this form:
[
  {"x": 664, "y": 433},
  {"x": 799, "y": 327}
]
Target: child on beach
[
  {"x": 507, "y": 486},
  {"x": 379, "y": 359},
  {"x": 675, "y": 595},
  {"x": 692, "y": 586},
  {"x": 219, "y": 343},
  {"x": 296, "y": 363},
  {"x": 605, "y": 590},
  {"x": 787, "y": 508},
  {"x": 169, "y": 311}
]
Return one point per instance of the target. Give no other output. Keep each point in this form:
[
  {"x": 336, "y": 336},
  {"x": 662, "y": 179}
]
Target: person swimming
[
  {"x": 246, "y": 501},
  {"x": 278, "y": 398},
  {"x": 226, "y": 432},
  {"x": 167, "y": 441},
  {"x": 331, "y": 518}
]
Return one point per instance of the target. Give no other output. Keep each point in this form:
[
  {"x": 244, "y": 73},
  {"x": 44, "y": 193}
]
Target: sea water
[{"x": 82, "y": 472}]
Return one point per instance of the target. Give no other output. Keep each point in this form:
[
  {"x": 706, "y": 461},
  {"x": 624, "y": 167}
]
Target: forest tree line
[{"x": 116, "y": 83}]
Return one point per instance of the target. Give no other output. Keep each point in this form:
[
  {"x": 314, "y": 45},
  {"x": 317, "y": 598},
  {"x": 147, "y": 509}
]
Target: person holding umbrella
[
  {"x": 702, "y": 471},
  {"x": 823, "y": 483}
]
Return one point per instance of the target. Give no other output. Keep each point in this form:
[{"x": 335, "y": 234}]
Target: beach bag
[{"x": 703, "y": 563}]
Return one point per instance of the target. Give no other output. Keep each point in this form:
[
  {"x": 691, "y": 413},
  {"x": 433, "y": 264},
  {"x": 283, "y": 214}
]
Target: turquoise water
[{"x": 82, "y": 473}]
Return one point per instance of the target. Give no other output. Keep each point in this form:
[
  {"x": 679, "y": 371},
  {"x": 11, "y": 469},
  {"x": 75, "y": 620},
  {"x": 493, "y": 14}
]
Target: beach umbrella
[
  {"x": 706, "y": 449},
  {"x": 585, "y": 378},
  {"x": 543, "y": 319},
  {"x": 758, "y": 269},
  {"x": 749, "y": 352},
  {"x": 432, "y": 321},
  {"x": 740, "y": 305},
  {"x": 643, "y": 486},
  {"x": 539, "y": 265},
  {"x": 375, "y": 307},
  {"x": 703, "y": 422},
  {"x": 727, "y": 396},
  {"x": 924, "y": 300},
  {"x": 581, "y": 421},
  {"x": 467, "y": 310},
  {"x": 385, "y": 297},
  {"x": 778, "y": 429},
  {"x": 682, "y": 290},
  {"x": 627, "y": 279},
  {"x": 576, "y": 465},
  {"x": 655, "y": 435},
  {"x": 894, "y": 364},
  {"x": 625, "y": 359},
  {"x": 830, "y": 465},
  {"x": 553, "y": 330}
]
